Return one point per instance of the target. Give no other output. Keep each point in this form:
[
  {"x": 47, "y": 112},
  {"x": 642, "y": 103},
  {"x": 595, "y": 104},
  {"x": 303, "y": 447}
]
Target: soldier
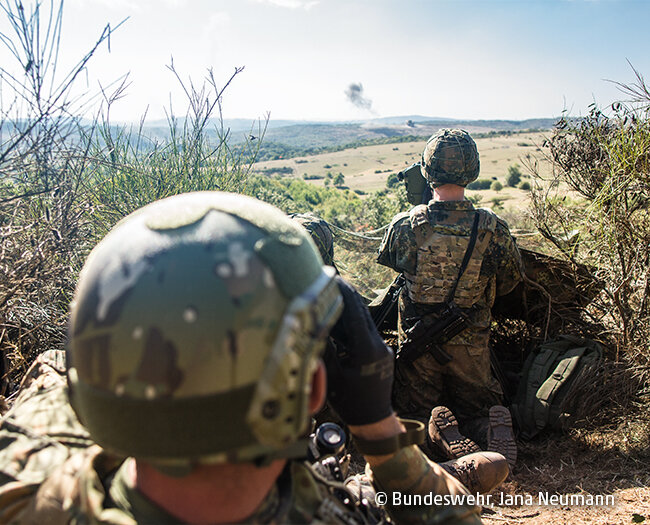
[
  {"x": 193, "y": 361},
  {"x": 320, "y": 233},
  {"x": 456, "y": 259}
]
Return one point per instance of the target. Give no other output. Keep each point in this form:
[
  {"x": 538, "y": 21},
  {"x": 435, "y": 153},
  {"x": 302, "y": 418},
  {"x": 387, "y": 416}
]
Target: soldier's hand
[{"x": 359, "y": 364}]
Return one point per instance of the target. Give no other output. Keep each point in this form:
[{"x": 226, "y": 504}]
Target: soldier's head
[
  {"x": 450, "y": 157},
  {"x": 320, "y": 233},
  {"x": 196, "y": 328}
]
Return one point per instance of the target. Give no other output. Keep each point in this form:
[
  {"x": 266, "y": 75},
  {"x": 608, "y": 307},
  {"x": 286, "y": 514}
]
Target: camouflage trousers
[{"x": 465, "y": 385}]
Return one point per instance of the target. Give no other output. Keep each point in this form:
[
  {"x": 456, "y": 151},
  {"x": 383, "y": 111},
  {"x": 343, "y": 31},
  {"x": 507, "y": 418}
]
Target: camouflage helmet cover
[
  {"x": 320, "y": 233},
  {"x": 450, "y": 157},
  {"x": 195, "y": 331}
]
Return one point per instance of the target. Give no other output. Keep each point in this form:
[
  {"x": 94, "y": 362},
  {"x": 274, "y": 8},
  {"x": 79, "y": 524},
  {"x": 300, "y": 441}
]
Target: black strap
[
  {"x": 466, "y": 258},
  {"x": 413, "y": 435}
]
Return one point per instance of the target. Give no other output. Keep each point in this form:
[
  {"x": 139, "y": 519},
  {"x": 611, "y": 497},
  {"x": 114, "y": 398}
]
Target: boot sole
[
  {"x": 501, "y": 438},
  {"x": 443, "y": 431}
]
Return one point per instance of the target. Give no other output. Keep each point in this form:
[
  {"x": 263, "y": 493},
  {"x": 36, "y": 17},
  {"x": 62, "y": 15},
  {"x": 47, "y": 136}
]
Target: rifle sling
[{"x": 466, "y": 258}]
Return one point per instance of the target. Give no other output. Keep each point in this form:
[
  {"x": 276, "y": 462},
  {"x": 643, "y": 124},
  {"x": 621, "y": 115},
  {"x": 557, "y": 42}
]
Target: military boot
[
  {"x": 444, "y": 434},
  {"x": 480, "y": 472},
  {"x": 501, "y": 437}
]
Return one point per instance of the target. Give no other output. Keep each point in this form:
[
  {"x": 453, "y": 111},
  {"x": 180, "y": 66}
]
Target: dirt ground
[{"x": 570, "y": 465}]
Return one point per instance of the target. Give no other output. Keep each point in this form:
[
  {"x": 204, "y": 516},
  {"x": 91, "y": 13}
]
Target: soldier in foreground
[
  {"x": 194, "y": 364},
  {"x": 455, "y": 259}
]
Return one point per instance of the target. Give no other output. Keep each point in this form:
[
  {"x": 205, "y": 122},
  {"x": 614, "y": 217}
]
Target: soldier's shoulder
[
  {"x": 499, "y": 224},
  {"x": 401, "y": 220}
]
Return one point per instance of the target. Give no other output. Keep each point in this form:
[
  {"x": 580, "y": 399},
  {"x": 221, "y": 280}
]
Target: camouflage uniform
[
  {"x": 428, "y": 245},
  {"x": 196, "y": 329},
  {"x": 51, "y": 472},
  {"x": 320, "y": 233}
]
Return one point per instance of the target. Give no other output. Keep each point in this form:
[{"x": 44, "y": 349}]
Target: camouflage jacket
[
  {"x": 428, "y": 244},
  {"x": 51, "y": 472}
]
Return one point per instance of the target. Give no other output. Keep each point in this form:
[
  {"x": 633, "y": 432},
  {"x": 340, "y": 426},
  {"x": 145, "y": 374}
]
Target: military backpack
[{"x": 546, "y": 395}]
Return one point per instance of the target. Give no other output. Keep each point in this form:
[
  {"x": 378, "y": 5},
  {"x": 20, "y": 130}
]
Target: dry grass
[
  {"x": 596, "y": 463},
  {"x": 359, "y": 165}
]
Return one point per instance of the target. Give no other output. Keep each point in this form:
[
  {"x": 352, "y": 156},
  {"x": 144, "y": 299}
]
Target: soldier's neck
[
  {"x": 449, "y": 192},
  {"x": 210, "y": 494}
]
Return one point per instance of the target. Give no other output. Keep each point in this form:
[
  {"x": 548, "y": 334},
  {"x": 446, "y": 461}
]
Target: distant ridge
[
  {"x": 315, "y": 135},
  {"x": 312, "y": 135}
]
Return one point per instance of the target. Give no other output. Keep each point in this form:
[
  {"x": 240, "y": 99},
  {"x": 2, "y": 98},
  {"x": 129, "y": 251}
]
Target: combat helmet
[
  {"x": 196, "y": 327},
  {"x": 450, "y": 157},
  {"x": 320, "y": 233}
]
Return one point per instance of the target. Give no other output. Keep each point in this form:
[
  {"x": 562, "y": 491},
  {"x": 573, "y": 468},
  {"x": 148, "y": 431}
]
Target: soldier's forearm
[{"x": 387, "y": 427}]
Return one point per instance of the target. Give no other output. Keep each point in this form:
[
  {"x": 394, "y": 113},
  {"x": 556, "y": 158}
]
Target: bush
[
  {"x": 392, "y": 180},
  {"x": 496, "y": 186},
  {"x": 525, "y": 186},
  {"x": 604, "y": 158},
  {"x": 480, "y": 184},
  {"x": 339, "y": 180},
  {"x": 496, "y": 202},
  {"x": 514, "y": 176}
]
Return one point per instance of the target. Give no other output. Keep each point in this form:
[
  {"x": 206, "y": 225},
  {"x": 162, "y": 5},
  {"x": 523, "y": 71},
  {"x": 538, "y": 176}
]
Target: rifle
[{"x": 421, "y": 338}]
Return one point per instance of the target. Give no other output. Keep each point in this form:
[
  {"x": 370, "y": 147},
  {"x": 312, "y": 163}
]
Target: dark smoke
[{"x": 354, "y": 92}]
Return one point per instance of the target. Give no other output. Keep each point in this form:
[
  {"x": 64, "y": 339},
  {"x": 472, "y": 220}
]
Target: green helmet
[
  {"x": 450, "y": 157},
  {"x": 320, "y": 233},
  {"x": 196, "y": 327}
]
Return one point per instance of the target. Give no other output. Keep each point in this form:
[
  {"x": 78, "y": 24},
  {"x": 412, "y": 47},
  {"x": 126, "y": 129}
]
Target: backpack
[{"x": 545, "y": 396}]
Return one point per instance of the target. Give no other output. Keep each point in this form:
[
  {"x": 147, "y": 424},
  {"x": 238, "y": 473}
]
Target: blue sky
[{"x": 447, "y": 58}]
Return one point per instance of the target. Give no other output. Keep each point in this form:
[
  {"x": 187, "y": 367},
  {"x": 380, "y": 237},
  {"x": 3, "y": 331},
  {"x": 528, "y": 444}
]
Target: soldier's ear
[{"x": 318, "y": 388}]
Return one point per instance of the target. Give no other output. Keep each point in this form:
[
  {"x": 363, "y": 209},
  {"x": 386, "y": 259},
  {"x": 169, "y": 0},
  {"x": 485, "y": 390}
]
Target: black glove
[{"x": 359, "y": 364}]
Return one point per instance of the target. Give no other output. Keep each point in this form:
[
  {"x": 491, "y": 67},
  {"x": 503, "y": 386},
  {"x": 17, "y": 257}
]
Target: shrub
[
  {"x": 480, "y": 184},
  {"x": 514, "y": 176},
  {"x": 604, "y": 158},
  {"x": 525, "y": 186},
  {"x": 392, "y": 180},
  {"x": 496, "y": 186}
]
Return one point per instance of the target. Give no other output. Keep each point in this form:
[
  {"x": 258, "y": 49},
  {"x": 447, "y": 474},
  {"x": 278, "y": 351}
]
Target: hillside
[{"x": 312, "y": 135}]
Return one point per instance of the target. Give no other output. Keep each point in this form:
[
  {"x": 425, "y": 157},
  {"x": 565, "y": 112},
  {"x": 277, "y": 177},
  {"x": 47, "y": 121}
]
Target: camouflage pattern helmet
[
  {"x": 196, "y": 327},
  {"x": 320, "y": 233},
  {"x": 450, "y": 157}
]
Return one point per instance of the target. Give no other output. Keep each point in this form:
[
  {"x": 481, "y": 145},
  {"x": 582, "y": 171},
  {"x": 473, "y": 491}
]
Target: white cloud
[
  {"x": 291, "y": 4},
  {"x": 128, "y": 5},
  {"x": 117, "y": 5},
  {"x": 176, "y": 3}
]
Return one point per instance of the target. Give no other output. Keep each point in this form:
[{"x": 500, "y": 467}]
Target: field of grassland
[{"x": 367, "y": 168}]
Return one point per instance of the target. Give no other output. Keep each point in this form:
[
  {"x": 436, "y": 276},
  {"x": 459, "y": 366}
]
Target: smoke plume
[{"x": 355, "y": 95}]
